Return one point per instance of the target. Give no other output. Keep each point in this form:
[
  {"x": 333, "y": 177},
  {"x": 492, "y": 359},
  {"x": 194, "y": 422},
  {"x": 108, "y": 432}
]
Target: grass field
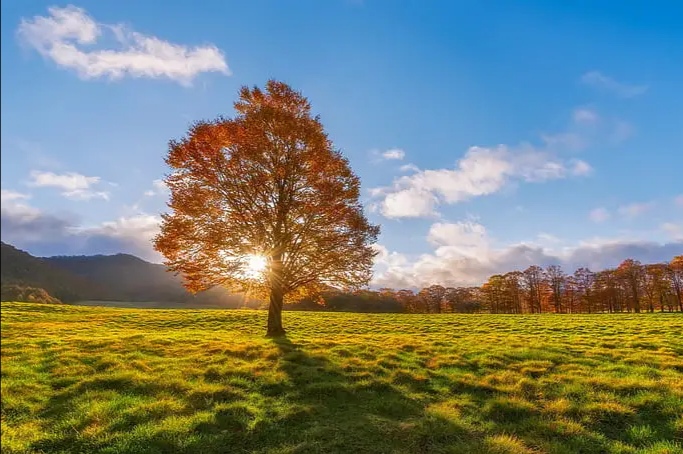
[{"x": 86, "y": 379}]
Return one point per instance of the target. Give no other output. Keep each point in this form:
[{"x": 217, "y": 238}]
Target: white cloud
[
  {"x": 599, "y": 215},
  {"x": 14, "y": 204},
  {"x": 409, "y": 168},
  {"x": 47, "y": 234},
  {"x": 585, "y": 116},
  {"x": 9, "y": 196},
  {"x": 678, "y": 200},
  {"x": 394, "y": 153},
  {"x": 411, "y": 202},
  {"x": 581, "y": 168},
  {"x": 634, "y": 210},
  {"x": 481, "y": 171},
  {"x": 72, "y": 185},
  {"x": 69, "y": 37},
  {"x": 22, "y": 222},
  {"x": 466, "y": 238},
  {"x": 465, "y": 255},
  {"x": 138, "y": 230},
  {"x": 598, "y": 80}
]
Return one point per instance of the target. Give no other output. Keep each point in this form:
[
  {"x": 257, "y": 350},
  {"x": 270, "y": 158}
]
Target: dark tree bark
[{"x": 275, "y": 328}]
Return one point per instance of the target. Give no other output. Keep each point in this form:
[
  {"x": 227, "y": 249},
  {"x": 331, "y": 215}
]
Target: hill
[
  {"x": 128, "y": 278},
  {"x": 21, "y": 268},
  {"x": 86, "y": 379},
  {"x": 113, "y": 278}
]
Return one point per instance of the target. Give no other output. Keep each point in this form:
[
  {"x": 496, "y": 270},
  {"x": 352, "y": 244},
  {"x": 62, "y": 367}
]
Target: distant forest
[{"x": 630, "y": 287}]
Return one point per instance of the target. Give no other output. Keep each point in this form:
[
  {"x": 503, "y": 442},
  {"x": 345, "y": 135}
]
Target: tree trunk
[
  {"x": 636, "y": 298},
  {"x": 275, "y": 328}
]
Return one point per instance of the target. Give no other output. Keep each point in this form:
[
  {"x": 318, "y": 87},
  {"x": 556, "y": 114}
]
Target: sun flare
[{"x": 255, "y": 265}]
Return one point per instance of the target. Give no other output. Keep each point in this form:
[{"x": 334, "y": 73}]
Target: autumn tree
[
  {"x": 557, "y": 280},
  {"x": 461, "y": 299},
  {"x": 585, "y": 282},
  {"x": 408, "y": 300},
  {"x": 533, "y": 282},
  {"x": 493, "y": 293},
  {"x": 572, "y": 294},
  {"x": 656, "y": 285},
  {"x": 513, "y": 285},
  {"x": 433, "y": 297},
  {"x": 631, "y": 273},
  {"x": 266, "y": 186},
  {"x": 675, "y": 272}
]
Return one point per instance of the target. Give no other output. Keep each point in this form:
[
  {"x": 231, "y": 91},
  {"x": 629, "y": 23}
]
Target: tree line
[{"x": 630, "y": 287}]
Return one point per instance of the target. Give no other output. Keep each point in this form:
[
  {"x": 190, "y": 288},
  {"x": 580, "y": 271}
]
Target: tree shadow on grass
[
  {"x": 320, "y": 407},
  {"x": 332, "y": 411},
  {"x": 317, "y": 408}
]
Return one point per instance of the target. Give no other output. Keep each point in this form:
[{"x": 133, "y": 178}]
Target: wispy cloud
[
  {"x": 585, "y": 116},
  {"x": 409, "y": 168},
  {"x": 72, "y": 185},
  {"x": 602, "y": 82},
  {"x": 580, "y": 168},
  {"x": 599, "y": 215},
  {"x": 69, "y": 36},
  {"x": 633, "y": 210},
  {"x": 394, "y": 153},
  {"x": 621, "y": 131},
  {"x": 9, "y": 196}
]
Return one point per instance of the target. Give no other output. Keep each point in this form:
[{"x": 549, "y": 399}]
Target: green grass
[{"x": 86, "y": 379}]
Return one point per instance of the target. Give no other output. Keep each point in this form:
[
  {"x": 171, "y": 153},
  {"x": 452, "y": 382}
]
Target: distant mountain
[
  {"x": 19, "y": 267},
  {"x": 119, "y": 277},
  {"x": 128, "y": 278}
]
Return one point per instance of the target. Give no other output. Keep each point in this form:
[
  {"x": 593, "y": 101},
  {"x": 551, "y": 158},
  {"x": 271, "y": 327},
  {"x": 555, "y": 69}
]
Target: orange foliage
[{"x": 267, "y": 182}]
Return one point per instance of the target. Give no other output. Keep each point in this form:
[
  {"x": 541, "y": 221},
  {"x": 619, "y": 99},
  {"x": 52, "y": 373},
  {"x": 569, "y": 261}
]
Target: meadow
[{"x": 119, "y": 380}]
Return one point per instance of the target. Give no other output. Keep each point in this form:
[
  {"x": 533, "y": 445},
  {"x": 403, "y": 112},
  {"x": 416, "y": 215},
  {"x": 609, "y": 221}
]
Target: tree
[
  {"x": 433, "y": 297},
  {"x": 557, "y": 280},
  {"x": 533, "y": 279},
  {"x": 408, "y": 300},
  {"x": 265, "y": 187},
  {"x": 675, "y": 271},
  {"x": 585, "y": 281},
  {"x": 462, "y": 299},
  {"x": 631, "y": 272},
  {"x": 513, "y": 285},
  {"x": 493, "y": 292},
  {"x": 656, "y": 285}
]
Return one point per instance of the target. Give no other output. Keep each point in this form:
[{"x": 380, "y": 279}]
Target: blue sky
[{"x": 488, "y": 135}]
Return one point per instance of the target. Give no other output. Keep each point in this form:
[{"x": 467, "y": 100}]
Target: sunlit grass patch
[{"x": 86, "y": 379}]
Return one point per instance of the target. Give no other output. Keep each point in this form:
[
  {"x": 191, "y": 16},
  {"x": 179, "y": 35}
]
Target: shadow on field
[
  {"x": 318, "y": 408},
  {"x": 321, "y": 407},
  {"x": 330, "y": 410}
]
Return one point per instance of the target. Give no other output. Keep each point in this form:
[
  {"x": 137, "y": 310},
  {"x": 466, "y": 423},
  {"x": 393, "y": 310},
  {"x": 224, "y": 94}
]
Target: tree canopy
[{"x": 266, "y": 186}]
